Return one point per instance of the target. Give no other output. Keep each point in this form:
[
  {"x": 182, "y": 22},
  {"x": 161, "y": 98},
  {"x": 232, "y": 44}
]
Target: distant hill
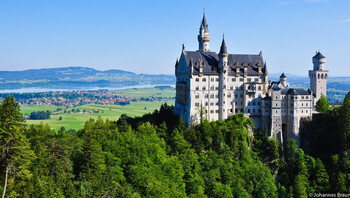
[{"x": 77, "y": 77}]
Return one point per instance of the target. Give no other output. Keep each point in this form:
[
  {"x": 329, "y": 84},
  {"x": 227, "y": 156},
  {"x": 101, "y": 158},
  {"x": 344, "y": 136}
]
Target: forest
[{"x": 156, "y": 155}]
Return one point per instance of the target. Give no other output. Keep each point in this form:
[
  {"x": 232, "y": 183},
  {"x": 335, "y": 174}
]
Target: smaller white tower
[
  {"x": 318, "y": 76},
  {"x": 203, "y": 37},
  {"x": 223, "y": 68},
  {"x": 283, "y": 80}
]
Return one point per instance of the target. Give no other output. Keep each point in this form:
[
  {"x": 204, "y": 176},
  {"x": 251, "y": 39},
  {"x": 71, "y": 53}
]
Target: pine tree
[
  {"x": 15, "y": 152},
  {"x": 322, "y": 104}
]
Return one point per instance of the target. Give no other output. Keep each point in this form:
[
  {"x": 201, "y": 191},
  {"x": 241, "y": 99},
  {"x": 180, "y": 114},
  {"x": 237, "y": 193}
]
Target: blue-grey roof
[
  {"x": 275, "y": 85},
  {"x": 210, "y": 62},
  {"x": 283, "y": 76},
  {"x": 223, "y": 49},
  {"x": 204, "y": 24},
  {"x": 319, "y": 55},
  {"x": 296, "y": 91}
]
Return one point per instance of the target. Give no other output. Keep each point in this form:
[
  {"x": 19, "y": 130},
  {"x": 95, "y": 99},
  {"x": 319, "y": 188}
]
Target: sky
[{"x": 146, "y": 36}]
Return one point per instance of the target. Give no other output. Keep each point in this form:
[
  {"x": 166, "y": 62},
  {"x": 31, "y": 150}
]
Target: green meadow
[
  {"x": 76, "y": 120},
  {"x": 112, "y": 112}
]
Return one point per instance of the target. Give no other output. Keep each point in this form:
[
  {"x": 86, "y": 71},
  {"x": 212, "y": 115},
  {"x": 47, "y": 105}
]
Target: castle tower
[
  {"x": 283, "y": 80},
  {"x": 203, "y": 37},
  {"x": 223, "y": 69},
  {"x": 318, "y": 76}
]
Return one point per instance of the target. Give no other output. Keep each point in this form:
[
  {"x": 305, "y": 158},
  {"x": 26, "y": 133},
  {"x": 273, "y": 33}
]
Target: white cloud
[{"x": 345, "y": 21}]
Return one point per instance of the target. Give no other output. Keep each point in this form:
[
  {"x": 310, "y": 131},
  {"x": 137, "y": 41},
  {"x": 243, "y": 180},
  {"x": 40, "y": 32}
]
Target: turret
[
  {"x": 203, "y": 37},
  {"x": 318, "y": 60},
  {"x": 318, "y": 76},
  {"x": 283, "y": 80}
]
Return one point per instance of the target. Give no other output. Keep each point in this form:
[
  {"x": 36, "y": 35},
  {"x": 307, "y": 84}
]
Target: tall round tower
[
  {"x": 223, "y": 69},
  {"x": 203, "y": 37}
]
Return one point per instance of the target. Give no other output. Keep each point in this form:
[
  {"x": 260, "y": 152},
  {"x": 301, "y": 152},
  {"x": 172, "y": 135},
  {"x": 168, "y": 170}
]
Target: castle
[{"x": 219, "y": 85}]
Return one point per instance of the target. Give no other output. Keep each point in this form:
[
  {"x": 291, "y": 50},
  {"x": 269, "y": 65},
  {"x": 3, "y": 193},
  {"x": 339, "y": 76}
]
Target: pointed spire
[
  {"x": 177, "y": 62},
  {"x": 204, "y": 25},
  {"x": 223, "y": 49}
]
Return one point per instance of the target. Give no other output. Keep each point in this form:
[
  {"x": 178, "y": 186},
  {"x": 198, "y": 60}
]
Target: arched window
[
  {"x": 259, "y": 88},
  {"x": 321, "y": 76},
  {"x": 197, "y": 88}
]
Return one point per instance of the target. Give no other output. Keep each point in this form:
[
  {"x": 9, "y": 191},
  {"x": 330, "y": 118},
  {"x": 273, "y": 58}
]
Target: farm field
[{"x": 77, "y": 120}]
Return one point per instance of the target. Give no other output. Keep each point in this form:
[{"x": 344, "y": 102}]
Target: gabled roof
[
  {"x": 210, "y": 62},
  {"x": 283, "y": 76},
  {"x": 297, "y": 91}
]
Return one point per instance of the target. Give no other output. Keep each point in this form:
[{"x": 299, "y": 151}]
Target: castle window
[
  {"x": 306, "y": 111},
  {"x": 216, "y": 88},
  {"x": 206, "y": 103},
  {"x": 211, "y": 111},
  {"x": 253, "y": 103},
  {"x": 276, "y": 104},
  {"x": 211, "y": 95},
  {"x": 231, "y": 88},
  {"x": 241, "y": 79},
  {"x": 259, "y": 110},
  {"x": 203, "y": 88},
  {"x": 196, "y": 104},
  {"x": 249, "y": 79},
  {"x": 229, "y": 95},
  {"x": 302, "y": 104},
  {"x": 256, "y": 79},
  {"x": 302, "y": 111},
  {"x": 212, "y": 79},
  {"x": 216, "y": 111},
  {"x": 197, "y": 88},
  {"x": 248, "y": 110},
  {"x": 276, "y": 111},
  {"x": 197, "y": 79},
  {"x": 204, "y": 80},
  {"x": 216, "y": 96},
  {"x": 217, "y": 79},
  {"x": 307, "y": 97},
  {"x": 211, "y": 104},
  {"x": 253, "y": 110},
  {"x": 197, "y": 96},
  {"x": 276, "y": 97},
  {"x": 212, "y": 88},
  {"x": 307, "y": 104},
  {"x": 259, "y": 88},
  {"x": 296, "y": 97},
  {"x": 206, "y": 95},
  {"x": 236, "y": 110},
  {"x": 236, "y": 95},
  {"x": 233, "y": 79},
  {"x": 302, "y": 97}
]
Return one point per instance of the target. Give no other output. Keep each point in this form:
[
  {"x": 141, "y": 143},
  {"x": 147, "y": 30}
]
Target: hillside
[{"x": 77, "y": 77}]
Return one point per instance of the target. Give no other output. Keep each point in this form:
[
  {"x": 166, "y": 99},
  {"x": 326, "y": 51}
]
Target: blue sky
[{"x": 146, "y": 36}]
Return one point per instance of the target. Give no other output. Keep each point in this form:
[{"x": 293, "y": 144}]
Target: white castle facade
[{"x": 219, "y": 85}]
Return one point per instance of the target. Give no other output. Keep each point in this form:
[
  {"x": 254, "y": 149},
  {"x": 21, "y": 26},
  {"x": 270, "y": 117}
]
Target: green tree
[
  {"x": 15, "y": 153},
  {"x": 322, "y": 105}
]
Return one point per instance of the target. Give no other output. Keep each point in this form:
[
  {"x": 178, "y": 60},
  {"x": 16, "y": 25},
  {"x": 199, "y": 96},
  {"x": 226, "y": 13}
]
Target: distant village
[{"x": 83, "y": 97}]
